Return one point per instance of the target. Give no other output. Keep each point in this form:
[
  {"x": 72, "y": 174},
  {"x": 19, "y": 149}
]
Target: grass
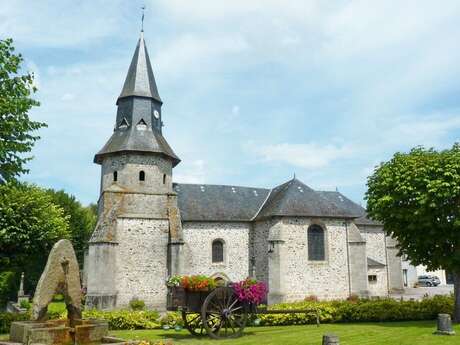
[{"x": 388, "y": 333}]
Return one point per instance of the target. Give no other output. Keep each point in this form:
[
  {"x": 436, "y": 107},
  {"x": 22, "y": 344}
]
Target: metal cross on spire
[{"x": 142, "y": 20}]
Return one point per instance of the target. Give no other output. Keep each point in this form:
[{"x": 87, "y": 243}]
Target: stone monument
[
  {"x": 61, "y": 276},
  {"x": 444, "y": 325}
]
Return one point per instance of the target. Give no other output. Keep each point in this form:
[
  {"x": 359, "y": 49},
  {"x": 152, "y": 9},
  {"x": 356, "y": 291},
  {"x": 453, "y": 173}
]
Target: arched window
[
  {"x": 217, "y": 251},
  {"x": 115, "y": 176},
  {"x": 141, "y": 175},
  {"x": 316, "y": 243}
]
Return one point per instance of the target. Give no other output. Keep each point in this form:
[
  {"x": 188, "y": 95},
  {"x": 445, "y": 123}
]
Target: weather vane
[{"x": 142, "y": 20}]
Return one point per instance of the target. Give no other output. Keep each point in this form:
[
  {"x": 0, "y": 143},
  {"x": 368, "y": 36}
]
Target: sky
[{"x": 254, "y": 91}]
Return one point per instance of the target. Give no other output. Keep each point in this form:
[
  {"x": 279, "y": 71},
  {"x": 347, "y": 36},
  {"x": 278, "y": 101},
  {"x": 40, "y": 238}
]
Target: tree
[
  {"x": 30, "y": 223},
  {"x": 16, "y": 128},
  {"x": 416, "y": 196},
  {"x": 82, "y": 220}
]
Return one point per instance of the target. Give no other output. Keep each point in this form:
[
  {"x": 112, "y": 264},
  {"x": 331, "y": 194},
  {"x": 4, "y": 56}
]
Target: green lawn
[{"x": 389, "y": 333}]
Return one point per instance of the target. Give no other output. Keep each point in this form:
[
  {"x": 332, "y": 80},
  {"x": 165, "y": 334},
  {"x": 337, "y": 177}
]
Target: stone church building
[{"x": 300, "y": 241}]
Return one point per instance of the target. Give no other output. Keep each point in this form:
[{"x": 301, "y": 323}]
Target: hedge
[
  {"x": 363, "y": 310},
  {"x": 126, "y": 319}
]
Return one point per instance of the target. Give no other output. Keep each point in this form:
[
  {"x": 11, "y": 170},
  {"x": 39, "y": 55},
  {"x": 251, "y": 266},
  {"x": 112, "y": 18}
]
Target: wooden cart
[{"x": 217, "y": 313}]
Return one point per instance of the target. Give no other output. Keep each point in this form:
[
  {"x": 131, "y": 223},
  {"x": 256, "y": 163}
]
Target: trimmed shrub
[
  {"x": 359, "y": 310},
  {"x": 137, "y": 304},
  {"x": 126, "y": 319}
]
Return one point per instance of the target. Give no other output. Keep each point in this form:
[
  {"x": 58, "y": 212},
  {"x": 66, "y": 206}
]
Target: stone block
[
  {"x": 444, "y": 325},
  {"x": 330, "y": 339}
]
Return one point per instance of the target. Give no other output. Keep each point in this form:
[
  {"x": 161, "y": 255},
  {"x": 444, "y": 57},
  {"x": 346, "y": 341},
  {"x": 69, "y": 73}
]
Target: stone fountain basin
[{"x": 58, "y": 332}]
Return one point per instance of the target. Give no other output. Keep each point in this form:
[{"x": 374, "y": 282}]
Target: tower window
[
  {"x": 115, "y": 176},
  {"x": 316, "y": 243},
  {"x": 164, "y": 178},
  {"x": 141, "y": 175},
  {"x": 217, "y": 251}
]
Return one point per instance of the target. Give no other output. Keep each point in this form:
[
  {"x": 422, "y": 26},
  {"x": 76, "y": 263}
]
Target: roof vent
[
  {"x": 141, "y": 125},
  {"x": 123, "y": 124},
  {"x": 300, "y": 189}
]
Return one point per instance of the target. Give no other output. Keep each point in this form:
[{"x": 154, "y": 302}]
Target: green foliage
[
  {"x": 7, "y": 318},
  {"x": 25, "y": 304},
  {"x": 8, "y": 286},
  {"x": 416, "y": 196},
  {"x": 362, "y": 310},
  {"x": 82, "y": 220},
  {"x": 126, "y": 319},
  {"x": 16, "y": 128},
  {"x": 30, "y": 223},
  {"x": 137, "y": 304}
]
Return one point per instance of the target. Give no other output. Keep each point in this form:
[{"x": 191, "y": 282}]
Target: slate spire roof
[
  {"x": 139, "y": 120},
  {"x": 140, "y": 80}
]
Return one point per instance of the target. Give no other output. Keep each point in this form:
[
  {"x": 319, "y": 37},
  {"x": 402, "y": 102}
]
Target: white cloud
[
  {"x": 191, "y": 172},
  {"x": 68, "y": 97},
  {"x": 308, "y": 156},
  {"x": 62, "y": 23}
]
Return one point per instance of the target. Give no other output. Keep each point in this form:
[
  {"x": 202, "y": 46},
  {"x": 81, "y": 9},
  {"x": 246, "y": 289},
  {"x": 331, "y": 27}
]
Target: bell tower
[{"x": 130, "y": 251}]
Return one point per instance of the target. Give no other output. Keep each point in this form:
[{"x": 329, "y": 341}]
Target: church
[{"x": 300, "y": 241}]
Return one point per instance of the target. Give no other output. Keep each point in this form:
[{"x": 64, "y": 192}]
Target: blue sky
[{"x": 253, "y": 90}]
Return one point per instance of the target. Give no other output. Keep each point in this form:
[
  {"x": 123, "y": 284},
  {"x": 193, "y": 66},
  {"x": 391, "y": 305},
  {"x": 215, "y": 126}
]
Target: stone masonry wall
[
  {"x": 300, "y": 277},
  {"x": 142, "y": 261},
  {"x": 380, "y": 287},
  {"x": 260, "y": 246},
  {"x": 128, "y": 167},
  {"x": 198, "y": 237},
  {"x": 375, "y": 244}
]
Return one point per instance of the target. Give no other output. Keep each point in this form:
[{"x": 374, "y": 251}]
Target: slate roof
[
  {"x": 233, "y": 203},
  {"x": 342, "y": 201},
  {"x": 294, "y": 198},
  {"x": 218, "y": 203},
  {"x": 131, "y": 139},
  {"x": 374, "y": 263},
  {"x": 140, "y": 80}
]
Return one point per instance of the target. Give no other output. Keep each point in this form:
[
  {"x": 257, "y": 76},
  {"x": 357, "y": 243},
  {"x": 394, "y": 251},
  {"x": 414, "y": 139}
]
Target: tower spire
[{"x": 142, "y": 20}]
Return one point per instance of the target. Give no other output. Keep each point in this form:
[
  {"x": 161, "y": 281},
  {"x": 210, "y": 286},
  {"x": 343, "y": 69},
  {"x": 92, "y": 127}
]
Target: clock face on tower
[{"x": 156, "y": 114}]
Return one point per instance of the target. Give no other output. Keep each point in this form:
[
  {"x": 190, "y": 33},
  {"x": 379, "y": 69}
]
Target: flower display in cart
[
  {"x": 251, "y": 291},
  {"x": 193, "y": 283}
]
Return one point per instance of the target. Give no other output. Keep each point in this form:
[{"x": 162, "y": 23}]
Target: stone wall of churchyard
[
  {"x": 142, "y": 261},
  {"x": 300, "y": 277},
  {"x": 380, "y": 286},
  {"x": 198, "y": 237}
]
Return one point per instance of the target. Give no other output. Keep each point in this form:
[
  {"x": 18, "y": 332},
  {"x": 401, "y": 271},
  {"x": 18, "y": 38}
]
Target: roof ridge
[
  {"x": 219, "y": 185},
  {"x": 262, "y": 205}
]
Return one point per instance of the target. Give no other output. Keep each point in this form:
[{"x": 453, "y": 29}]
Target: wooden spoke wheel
[
  {"x": 223, "y": 315},
  {"x": 192, "y": 321}
]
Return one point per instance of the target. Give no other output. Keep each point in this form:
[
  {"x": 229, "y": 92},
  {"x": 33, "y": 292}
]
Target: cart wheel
[
  {"x": 223, "y": 315},
  {"x": 192, "y": 321}
]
